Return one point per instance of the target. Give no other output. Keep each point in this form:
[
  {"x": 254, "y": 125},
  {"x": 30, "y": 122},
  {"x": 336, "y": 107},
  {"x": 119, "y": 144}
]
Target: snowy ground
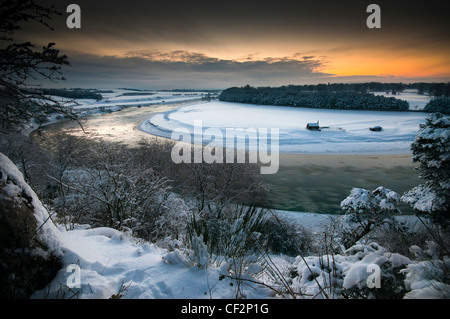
[
  {"x": 120, "y": 99},
  {"x": 416, "y": 101},
  {"x": 101, "y": 263},
  {"x": 110, "y": 260},
  {"x": 348, "y": 131},
  {"x": 153, "y": 97}
]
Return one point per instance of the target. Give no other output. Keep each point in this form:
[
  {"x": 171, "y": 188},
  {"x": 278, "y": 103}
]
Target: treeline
[
  {"x": 300, "y": 96},
  {"x": 76, "y": 93},
  {"x": 432, "y": 89},
  {"x": 137, "y": 94},
  {"x": 191, "y": 90}
]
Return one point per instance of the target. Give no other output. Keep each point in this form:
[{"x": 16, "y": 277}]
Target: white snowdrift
[
  {"x": 109, "y": 259},
  {"x": 113, "y": 262},
  {"x": 358, "y": 273}
]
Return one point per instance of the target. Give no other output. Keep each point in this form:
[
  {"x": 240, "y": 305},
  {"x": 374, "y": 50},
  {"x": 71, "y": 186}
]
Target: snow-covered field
[
  {"x": 122, "y": 98},
  {"x": 348, "y": 131},
  {"x": 416, "y": 101}
]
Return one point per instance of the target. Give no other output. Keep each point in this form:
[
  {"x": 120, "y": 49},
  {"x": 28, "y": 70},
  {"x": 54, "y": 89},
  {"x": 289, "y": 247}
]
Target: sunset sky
[{"x": 217, "y": 44}]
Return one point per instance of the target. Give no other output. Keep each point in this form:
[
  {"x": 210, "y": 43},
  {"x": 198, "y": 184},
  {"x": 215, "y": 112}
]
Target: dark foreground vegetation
[{"x": 213, "y": 210}]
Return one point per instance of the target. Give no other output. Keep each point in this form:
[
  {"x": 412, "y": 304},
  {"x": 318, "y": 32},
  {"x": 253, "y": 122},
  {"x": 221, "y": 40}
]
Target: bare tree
[
  {"x": 216, "y": 186},
  {"x": 22, "y": 65},
  {"x": 118, "y": 190}
]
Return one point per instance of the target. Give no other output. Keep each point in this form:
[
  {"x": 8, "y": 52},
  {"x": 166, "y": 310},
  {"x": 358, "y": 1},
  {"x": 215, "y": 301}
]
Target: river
[{"x": 304, "y": 182}]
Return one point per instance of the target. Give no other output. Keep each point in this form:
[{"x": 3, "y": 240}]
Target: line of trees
[
  {"x": 432, "y": 89},
  {"x": 74, "y": 93},
  {"x": 299, "y": 97}
]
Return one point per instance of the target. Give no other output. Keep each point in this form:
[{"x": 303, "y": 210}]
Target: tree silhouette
[{"x": 22, "y": 65}]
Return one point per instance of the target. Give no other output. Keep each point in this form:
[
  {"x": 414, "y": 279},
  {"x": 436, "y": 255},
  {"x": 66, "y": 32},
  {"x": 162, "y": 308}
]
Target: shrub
[
  {"x": 366, "y": 210},
  {"x": 281, "y": 237}
]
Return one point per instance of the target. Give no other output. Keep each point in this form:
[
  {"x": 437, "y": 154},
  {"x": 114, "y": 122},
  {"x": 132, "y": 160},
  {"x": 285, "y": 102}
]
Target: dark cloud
[
  {"x": 173, "y": 56},
  {"x": 163, "y": 43},
  {"x": 197, "y": 21}
]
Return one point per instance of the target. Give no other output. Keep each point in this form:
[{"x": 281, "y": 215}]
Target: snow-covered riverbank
[{"x": 345, "y": 132}]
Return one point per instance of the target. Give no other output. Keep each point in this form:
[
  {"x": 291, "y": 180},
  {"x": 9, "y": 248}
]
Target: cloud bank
[{"x": 193, "y": 70}]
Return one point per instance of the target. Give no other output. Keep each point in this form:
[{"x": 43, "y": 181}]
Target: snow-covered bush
[
  {"x": 115, "y": 188},
  {"x": 242, "y": 247},
  {"x": 318, "y": 276},
  {"x": 198, "y": 254},
  {"x": 231, "y": 243},
  {"x": 247, "y": 226},
  {"x": 366, "y": 210},
  {"x": 431, "y": 148},
  {"x": 281, "y": 237},
  {"x": 191, "y": 252},
  {"x": 346, "y": 275},
  {"x": 390, "y": 279},
  {"x": 429, "y": 277},
  {"x": 173, "y": 219}
]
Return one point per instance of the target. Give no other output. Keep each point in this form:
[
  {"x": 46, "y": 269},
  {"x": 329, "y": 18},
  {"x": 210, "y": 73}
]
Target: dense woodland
[
  {"x": 432, "y": 89},
  {"x": 297, "y": 96},
  {"x": 354, "y": 96}
]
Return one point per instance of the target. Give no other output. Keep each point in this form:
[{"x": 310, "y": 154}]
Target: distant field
[
  {"x": 120, "y": 98},
  {"x": 416, "y": 101}
]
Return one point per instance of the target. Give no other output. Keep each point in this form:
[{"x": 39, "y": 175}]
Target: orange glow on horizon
[
  {"x": 387, "y": 64},
  {"x": 351, "y": 62}
]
